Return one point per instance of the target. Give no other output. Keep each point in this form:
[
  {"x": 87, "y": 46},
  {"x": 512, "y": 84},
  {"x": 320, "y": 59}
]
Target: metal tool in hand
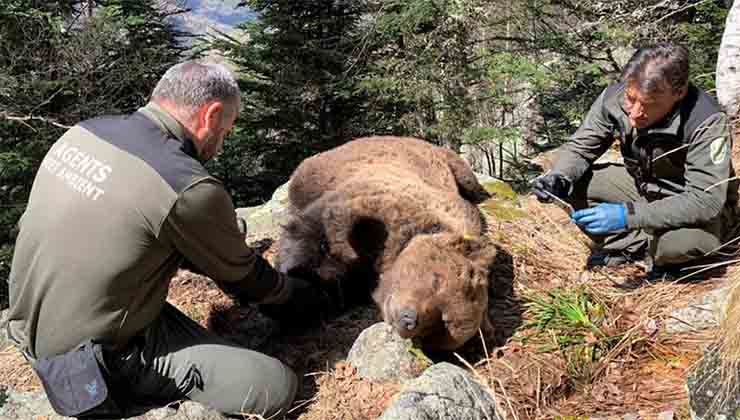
[{"x": 560, "y": 202}]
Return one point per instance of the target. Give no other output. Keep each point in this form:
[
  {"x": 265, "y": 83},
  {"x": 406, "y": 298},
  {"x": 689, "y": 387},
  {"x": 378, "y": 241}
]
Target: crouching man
[
  {"x": 117, "y": 205},
  {"x": 671, "y": 199}
]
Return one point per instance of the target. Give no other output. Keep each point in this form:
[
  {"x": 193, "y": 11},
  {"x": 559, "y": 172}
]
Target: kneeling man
[{"x": 672, "y": 199}]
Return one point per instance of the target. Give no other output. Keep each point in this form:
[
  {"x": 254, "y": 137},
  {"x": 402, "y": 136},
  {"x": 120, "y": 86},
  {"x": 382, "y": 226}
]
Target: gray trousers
[
  {"x": 612, "y": 183},
  {"x": 177, "y": 359}
]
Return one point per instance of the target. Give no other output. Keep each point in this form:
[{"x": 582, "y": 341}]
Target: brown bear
[{"x": 396, "y": 219}]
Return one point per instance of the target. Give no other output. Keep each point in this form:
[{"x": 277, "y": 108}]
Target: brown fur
[{"x": 402, "y": 211}]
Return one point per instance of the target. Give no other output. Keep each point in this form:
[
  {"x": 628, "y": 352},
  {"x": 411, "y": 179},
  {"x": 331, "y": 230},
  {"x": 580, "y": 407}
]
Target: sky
[{"x": 220, "y": 14}]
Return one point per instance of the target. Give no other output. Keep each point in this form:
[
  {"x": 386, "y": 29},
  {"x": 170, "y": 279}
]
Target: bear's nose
[{"x": 407, "y": 319}]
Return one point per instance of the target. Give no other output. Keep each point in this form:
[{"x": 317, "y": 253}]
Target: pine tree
[
  {"x": 62, "y": 62},
  {"x": 298, "y": 66}
]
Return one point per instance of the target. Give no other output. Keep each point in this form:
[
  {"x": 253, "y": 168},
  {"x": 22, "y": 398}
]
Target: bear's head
[{"x": 437, "y": 289}]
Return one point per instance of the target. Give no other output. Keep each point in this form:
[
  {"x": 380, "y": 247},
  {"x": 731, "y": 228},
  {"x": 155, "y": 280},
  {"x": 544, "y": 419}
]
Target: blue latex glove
[{"x": 604, "y": 218}]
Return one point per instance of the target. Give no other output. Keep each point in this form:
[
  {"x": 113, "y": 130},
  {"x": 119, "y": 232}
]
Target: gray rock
[
  {"x": 264, "y": 221},
  {"x": 483, "y": 178},
  {"x": 381, "y": 355},
  {"x": 666, "y": 415},
  {"x": 444, "y": 391},
  {"x": 631, "y": 416},
  {"x": 4, "y": 341},
  {"x": 188, "y": 410},
  {"x": 707, "y": 400},
  {"x": 703, "y": 313},
  {"x": 26, "y": 405},
  {"x": 192, "y": 410},
  {"x": 31, "y": 405}
]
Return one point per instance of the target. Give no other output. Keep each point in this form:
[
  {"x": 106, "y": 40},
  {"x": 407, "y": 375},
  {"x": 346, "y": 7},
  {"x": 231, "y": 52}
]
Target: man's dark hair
[{"x": 650, "y": 66}]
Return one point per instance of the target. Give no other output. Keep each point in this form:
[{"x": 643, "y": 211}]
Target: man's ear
[
  {"x": 213, "y": 115},
  {"x": 682, "y": 93}
]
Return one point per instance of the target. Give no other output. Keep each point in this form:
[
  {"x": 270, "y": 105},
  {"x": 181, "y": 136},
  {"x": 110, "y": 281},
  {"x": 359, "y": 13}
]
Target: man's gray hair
[
  {"x": 652, "y": 66},
  {"x": 191, "y": 84}
]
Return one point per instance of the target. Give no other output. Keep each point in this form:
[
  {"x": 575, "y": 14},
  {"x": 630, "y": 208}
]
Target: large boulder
[
  {"x": 35, "y": 405},
  {"x": 444, "y": 391},
  {"x": 381, "y": 355},
  {"x": 705, "y": 312},
  {"x": 708, "y": 399},
  {"x": 4, "y": 342},
  {"x": 264, "y": 222}
]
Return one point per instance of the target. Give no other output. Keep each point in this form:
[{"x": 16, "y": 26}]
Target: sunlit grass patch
[{"x": 571, "y": 321}]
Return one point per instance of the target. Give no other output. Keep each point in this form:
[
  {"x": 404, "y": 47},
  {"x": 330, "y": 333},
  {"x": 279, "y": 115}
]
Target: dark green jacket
[
  {"x": 678, "y": 165},
  {"x": 116, "y": 206}
]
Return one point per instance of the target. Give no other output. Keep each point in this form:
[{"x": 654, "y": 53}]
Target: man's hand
[
  {"x": 601, "y": 219},
  {"x": 305, "y": 304},
  {"x": 554, "y": 183}
]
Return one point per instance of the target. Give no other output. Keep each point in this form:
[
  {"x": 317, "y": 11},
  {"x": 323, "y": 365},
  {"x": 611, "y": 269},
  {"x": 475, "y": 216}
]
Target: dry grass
[
  {"x": 546, "y": 247},
  {"x": 614, "y": 358},
  {"x": 342, "y": 394},
  {"x": 16, "y": 372}
]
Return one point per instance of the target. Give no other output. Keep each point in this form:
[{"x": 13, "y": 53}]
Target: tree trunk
[{"x": 728, "y": 64}]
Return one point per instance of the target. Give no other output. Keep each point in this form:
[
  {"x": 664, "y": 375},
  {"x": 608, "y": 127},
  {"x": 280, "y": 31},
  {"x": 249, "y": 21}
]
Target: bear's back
[{"x": 361, "y": 157}]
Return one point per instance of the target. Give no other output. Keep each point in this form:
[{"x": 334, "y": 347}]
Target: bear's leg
[
  {"x": 488, "y": 330},
  {"x": 467, "y": 182}
]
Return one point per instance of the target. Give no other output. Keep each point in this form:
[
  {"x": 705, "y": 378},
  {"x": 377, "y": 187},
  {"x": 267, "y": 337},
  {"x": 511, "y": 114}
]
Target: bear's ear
[
  {"x": 467, "y": 183},
  {"x": 484, "y": 256},
  {"x": 480, "y": 251},
  {"x": 476, "y": 281}
]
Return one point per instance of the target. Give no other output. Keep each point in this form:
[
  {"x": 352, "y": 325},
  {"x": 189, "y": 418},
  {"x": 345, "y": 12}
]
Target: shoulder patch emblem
[{"x": 718, "y": 150}]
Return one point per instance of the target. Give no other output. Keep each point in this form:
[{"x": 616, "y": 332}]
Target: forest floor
[{"x": 571, "y": 342}]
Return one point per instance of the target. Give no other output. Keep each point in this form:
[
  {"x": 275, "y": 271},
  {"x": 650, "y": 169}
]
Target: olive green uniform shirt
[
  {"x": 116, "y": 206},
  {"x": 681, "y": 164}
]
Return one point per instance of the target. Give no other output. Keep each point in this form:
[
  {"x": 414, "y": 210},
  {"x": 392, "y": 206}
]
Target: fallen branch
[
  {"x": 32, "y": 118},
  {"x": 722, "y": 246},
  {"x": 707, "y": 267},
  {"x": 682, "y": 10}
]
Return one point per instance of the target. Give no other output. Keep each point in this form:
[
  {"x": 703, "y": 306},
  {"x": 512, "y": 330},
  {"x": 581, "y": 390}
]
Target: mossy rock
[
  {"x": 264, "y": 221},
  {"x": 501, "y": 210},
  {"x": 414, "y": 347},
  {"x": 500, "y": 190}
]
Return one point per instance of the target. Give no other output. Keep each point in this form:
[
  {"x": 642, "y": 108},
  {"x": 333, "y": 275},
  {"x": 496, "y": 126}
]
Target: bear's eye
[
  {"x": 436, "y": 278},
  {"x": 324, "y": 246}
]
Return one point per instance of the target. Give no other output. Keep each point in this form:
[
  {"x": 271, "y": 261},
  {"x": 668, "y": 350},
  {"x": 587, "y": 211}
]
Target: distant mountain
[{"x": 219, "y": 14}]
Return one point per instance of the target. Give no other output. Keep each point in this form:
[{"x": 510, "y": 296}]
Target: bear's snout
[{"x": 407, "y": 319}]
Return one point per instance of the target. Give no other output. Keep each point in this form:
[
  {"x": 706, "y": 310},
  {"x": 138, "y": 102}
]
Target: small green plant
[
  {"x": 570, "y": 321},
  {"x": 415, "y": 349}
]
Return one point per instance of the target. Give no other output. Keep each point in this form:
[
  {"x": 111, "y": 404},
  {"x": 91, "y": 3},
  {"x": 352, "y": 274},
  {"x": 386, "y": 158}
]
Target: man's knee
[
  {"x": 604, "y": 183},
  {"x": 246, "y": 382},
  {"x": 683, "y": 245}
]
